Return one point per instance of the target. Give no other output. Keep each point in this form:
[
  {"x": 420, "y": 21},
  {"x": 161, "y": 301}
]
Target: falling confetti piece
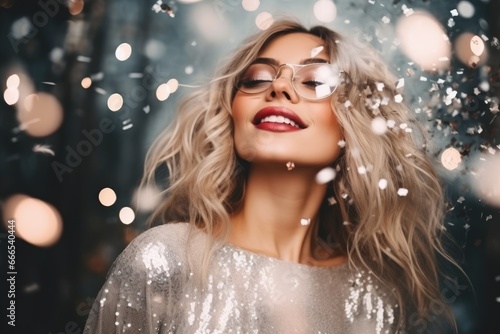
[
  {"x": 100, "y": 91},
  {"x": 84, "y": 59},
  {"x": 402, "y": 192},
  {"x": 398, "y": 98},
  {"x": 45, "y": 149},
  {"x": 146, "y": 109},
  {"x": 379, "y": 125},
  {"x": 382, "y": 184},
  {"x": 315, "y": 51},
  {"x": 341, "y": 143},
  {"x": 49, "y": 83},
  {"x": 305, "y": 221},
  {"x": 325, "y": 175},
  {"x": 400, "y": 83},
  {"x": 135, "y": 75},
  {"x": 290, "y": 165},
  {"x": 332, "y": 200},
  {"x": 128, "y": 126},
  {"x": 461, "y": 199}
]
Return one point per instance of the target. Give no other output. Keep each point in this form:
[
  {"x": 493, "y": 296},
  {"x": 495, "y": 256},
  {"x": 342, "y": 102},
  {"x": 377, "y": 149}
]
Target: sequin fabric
[{"x": 151, "y": 288}]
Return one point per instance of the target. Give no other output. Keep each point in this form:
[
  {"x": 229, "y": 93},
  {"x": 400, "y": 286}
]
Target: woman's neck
[{"x": 275, "y": 204}]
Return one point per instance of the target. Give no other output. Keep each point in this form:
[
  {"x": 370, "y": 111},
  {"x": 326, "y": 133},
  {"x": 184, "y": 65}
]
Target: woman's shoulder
[
  {"x": 158, "y": 251},
  {"x": 173, "y": 234}
]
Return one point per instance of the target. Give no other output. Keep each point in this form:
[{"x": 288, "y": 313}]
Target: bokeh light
[
  {"x": 126, "y": 215},
  {"x": 250, "y": 5},
  {"x": 13, "y": 81},
  {"x": 173, "y": 84},
  {"x": 123, "y": 52},
  {"x": 163, "y": 92},
  {"x": 107, "y": 196},
  {"x": 486, "y": 180},
  {"x": 209, "y": 20},
  {"x": 451, "y": 158},
  {"x": 86, "y": 82},
  {"x": 325, "y": 11},
  {"x": 115, "y": 102},
  {"x": 424, "y": 41},
  {"x": 264, "y": 20},
  {"x": 41, "y": 114},
  {"x": 146, "y": 199},
  {"x": 37, "y": 222},
  {"x": 466, "y": 9},
  {"x": 11, "y": 96},
  {"x": 470, "y": 50}
]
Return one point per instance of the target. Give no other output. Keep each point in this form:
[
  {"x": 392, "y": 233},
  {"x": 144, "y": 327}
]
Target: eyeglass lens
[{"x": 314, "y": 81}]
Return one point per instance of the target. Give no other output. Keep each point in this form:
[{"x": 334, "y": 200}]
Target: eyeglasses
[{"x": 312, "y": 81}]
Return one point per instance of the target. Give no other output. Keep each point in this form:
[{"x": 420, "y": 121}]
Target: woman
[{"x": 287, "y": 213}]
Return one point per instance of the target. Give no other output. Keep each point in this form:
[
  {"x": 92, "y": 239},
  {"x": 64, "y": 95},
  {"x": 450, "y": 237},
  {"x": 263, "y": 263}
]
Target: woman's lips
[{"x": 278, "y": 119}]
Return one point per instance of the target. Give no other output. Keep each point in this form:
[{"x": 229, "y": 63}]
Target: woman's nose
[{"x": 282, "y": 86}]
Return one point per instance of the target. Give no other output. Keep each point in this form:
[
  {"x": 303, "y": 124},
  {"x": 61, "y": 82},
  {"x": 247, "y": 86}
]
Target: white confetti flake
[
  {"x": 466, "y": 226},
  {"x": 386, "y": 20},
  {"x": 128, "y": 126},
  {"x": 379, "y": 125},
  {"x": 147, "y": 109},
  {"x": 461, "y": 199},
  {"x": 402, "y": 192},
  {"x": 84, "y": 59},
  {"x": 325, "y": 175},
  {"x": 361, "y": 170},
  {"x": 332, "y": 200},
  {"x": 454, "y": 12},
  {"x": 315, "y": 51},
  {"x": 400, "y": 83},
  {"x": 380, "y": 86},
  {"x": 398, "y": 98},
  {"x": 382, "y": 184},
  {"x": 341, "y": 143},
  {"x": 391, "y": 123},
  {"x": 305, "y": 221},
  {"x": 45, "y": 149}
]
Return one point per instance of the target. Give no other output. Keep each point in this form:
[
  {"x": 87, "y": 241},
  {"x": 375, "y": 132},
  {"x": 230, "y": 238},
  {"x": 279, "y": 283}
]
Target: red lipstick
[{"x": 278, "y": 119}]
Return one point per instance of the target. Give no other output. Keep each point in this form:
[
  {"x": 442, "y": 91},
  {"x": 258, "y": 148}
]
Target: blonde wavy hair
[{"x": 395, "y": 237}]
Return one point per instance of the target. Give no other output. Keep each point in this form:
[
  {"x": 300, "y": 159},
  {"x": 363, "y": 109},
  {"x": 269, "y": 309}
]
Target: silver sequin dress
[{"x": 151, "y": 289}]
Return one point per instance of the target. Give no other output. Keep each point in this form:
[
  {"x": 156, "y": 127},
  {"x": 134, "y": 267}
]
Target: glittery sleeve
[{"x": 139, "y": 293}]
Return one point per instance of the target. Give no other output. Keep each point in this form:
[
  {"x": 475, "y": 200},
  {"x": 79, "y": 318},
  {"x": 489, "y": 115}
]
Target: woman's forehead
[{"x": 294, "y": 47}]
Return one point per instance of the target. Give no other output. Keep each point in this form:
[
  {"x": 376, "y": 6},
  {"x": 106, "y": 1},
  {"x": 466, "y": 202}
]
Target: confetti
[
  {"x": 382, "y": 184},
  {"x": 325, "y": 175},
  {"x": 400, "y": 83},
  {"x": 128, "y": 126},
  {"x": 332, "y": 200},
  {"x": 398, "y": 98},
  {"x": 402, "y": 192},
  {"x": 290, "y": 165},
  {"x": 45, "y": 149},
  {"x": 146, "y": 109},
  {"x": 49, "y": 83},
  {"x": 315, "y": 51},
  {"x": 84, "y": 59},
  {"x": 305, "y": 221},
  {"x": 379, "y": 125},
  {"x": 341, "y": 143}
]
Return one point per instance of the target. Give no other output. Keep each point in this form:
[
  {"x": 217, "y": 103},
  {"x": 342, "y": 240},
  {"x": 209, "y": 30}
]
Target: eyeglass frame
[{"x": 277, "y": 70}]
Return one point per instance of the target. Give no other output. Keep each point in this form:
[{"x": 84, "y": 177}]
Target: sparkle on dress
[{"x": 152, "y": 289}]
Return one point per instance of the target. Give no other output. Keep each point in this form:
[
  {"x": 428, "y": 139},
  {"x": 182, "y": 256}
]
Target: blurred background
[{"x": 87, "y": 85}]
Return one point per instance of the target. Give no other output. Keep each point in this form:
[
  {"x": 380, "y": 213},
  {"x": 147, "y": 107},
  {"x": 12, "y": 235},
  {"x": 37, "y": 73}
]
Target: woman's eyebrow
[{"x": 272, "y": 61}]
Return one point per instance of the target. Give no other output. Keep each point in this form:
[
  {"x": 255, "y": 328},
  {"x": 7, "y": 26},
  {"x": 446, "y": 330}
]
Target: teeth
[{"x": 279, "y": 119}]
